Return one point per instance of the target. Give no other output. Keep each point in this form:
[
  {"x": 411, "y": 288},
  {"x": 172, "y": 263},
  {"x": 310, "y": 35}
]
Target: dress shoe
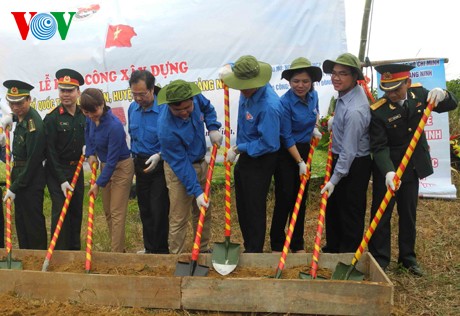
[{"x": 415, "y": 270}]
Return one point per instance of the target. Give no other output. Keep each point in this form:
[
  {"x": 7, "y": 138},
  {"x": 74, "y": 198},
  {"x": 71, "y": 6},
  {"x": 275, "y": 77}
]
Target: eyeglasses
[
  {"x": 340, "y": 74},
  {"x": 140, "y": 94}
]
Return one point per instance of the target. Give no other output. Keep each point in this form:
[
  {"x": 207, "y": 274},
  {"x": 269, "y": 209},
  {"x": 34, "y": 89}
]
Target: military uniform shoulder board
[
  {"x": 53, "y": 109},
  {"x": 416, "y": 85},
  {"x": 31, "y": 125},
  {"x": 378, "y": 104}
]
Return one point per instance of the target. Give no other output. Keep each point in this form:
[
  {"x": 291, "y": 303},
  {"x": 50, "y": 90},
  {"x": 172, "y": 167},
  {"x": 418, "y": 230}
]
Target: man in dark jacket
[{"x": 395, "y": 118}]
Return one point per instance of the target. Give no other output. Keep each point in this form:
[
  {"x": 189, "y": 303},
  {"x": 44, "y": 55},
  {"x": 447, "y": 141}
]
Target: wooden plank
[
  {"x": 286, "y": 296},
  {"x": 373, "y": 297},
  {"x": 115, "y": 290}
]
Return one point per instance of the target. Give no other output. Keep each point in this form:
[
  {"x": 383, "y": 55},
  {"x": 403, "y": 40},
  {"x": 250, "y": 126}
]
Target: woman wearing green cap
[
  {"x": 300, "y": 114},
  {"x": 351, "y": 162}
]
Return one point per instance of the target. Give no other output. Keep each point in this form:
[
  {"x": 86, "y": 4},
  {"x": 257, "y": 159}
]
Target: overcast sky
[{"x": 408, "y": 28}]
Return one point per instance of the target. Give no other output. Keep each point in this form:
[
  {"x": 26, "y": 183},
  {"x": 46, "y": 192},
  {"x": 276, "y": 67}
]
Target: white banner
[
  {"x": 175, "y": 39},
  {"x": 430, "y": 73}
]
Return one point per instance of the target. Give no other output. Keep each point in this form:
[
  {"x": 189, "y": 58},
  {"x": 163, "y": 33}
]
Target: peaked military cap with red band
[
  {"x": 69, "y": 78},
  {"x": 393, "y": 75},
  {"x": 17, "y": 90}
]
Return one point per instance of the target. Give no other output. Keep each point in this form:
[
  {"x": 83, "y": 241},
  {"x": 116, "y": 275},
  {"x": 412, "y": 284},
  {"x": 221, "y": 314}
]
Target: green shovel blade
[
  {"x": 347, "y": 272},
  {"x": 225, "y": 257}
]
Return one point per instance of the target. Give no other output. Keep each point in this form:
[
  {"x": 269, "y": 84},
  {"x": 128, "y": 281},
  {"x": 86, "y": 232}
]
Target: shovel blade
[
  {"x": 13, "y": 264},
  {"x": 347, "y": 272},
  {"x": 308, "y": 276},
  {"x": 225, "y": 257},
  {"x": 191, "y": 269}
]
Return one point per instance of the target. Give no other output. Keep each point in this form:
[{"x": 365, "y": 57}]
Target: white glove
[
  {"x": 152, "y": 162},
  {"x": 231, "y": 154},
  {"x": 225, "y": 70},
  {"x": 389, "y": 180},
  {"x": 2, "y": 140},
  {"x": 329, "y": 187},
  {"x": 329, "y": 123},
  {"x": 216, "y": 137},
  {"x": 302, "y": 168},
  {"x": 436, "y": 95},
  {"x": 8, "y": 195},
  {"x": 7, "y": 121},
  {"x": 317, "y": 133},
  {"x": 201, "y": 202},
  {"x": 66, "y": 186}
]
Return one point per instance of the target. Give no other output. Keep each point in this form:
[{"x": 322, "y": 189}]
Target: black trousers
[
  {"x": 406, "y": 198},
  {"x": 70, "y": 235},
  {"x": 28, "y": 211},
  {"x": 252, "y": 181},
  {"x": 346, "y": 208},
  {"x": 287, "y": 182},
  {"x": 153, "y": 201}
]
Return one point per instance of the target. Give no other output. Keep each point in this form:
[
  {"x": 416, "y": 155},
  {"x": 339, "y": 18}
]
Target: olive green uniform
[
  {"x": 391, "y": 130},
  {"x": 65, "y": 137},
  {"x": 28, "y": 181}
]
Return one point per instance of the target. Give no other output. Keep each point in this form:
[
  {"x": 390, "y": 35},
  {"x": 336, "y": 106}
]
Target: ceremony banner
[{"x": 106, "y": 40}]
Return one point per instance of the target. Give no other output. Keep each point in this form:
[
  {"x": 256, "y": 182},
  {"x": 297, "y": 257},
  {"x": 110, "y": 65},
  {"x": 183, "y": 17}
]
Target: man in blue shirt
[
  {"x": 351, "y": 163},
  {"x": 151, "y": 190},
  {"x": 183, "y": 147},
  {"x": 257, "y": 142}
]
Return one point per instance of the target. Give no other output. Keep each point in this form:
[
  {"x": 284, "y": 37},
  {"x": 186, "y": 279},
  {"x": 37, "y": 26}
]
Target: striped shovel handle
[
  {"x": 63, "y": 214},
  {"x": 9, "y": 244},
  {"x": 295, "y": 212},
  {"x": 228, "y": 165},
  {"x": 89, "y": 234},
  {"x": 390, "y": 193},
  {"x": 207, "y": 189},
  {"x": 322, "y": 214}
]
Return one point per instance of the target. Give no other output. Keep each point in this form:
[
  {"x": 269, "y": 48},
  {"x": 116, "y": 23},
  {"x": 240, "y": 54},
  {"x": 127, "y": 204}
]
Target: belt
[
  {"x": 199, "y": 160},
  {"x": 19, "y": 163},
  {"x": 137, "y": 156}
]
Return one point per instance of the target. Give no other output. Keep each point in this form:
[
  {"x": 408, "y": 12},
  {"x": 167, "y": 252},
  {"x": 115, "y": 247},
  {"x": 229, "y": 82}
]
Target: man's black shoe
[{"x": 415, "y": 270}]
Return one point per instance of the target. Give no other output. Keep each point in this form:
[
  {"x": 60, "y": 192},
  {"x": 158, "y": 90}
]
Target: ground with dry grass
[{"x": 438, "y": 251}]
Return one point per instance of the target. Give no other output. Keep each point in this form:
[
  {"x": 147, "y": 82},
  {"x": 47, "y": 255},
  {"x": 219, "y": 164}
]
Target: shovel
[
  {"x": 322, "y": 215},
  {"x": 225, "y": 255},
  {"x": 295, "y": 212},
  {"x": 89, "y": 234},
  {"x": 346, "y": 272},
  {"x": 192, "y": 268},
  {"x": 9, "y": 263},
  {"x": 62, "y": 216}
]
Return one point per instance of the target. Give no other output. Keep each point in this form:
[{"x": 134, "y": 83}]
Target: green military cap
[
  {"x": 248, "y": 73},
  {"x": 69, "y": 78},
  {"x": 177, "y": 91},
  {"x": 393, "y": 75},
  {"x": 303, "y": 63},
  {"x": 17, "y": 90},
  {"x": 346, "y": 59}
]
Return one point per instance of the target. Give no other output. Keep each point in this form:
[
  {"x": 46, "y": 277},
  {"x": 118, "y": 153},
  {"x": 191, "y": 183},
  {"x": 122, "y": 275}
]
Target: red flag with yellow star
[{"x": 119, "y": 36}]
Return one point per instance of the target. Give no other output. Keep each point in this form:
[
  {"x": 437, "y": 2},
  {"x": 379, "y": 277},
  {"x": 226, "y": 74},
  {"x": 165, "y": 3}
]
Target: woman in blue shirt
[
  {"x": 298, "y": 121},
  {"x": 106, "y": 139}
]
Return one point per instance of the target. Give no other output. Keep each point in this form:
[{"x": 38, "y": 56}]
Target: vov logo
[{"x": 43, "y": 26}]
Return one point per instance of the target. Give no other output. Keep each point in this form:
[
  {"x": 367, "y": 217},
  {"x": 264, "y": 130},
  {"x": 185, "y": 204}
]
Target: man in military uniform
[
  {"x": 65, "y": 136},
  {"x": 395, "y": 118},
  {"x": 28, "y": 174}
]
